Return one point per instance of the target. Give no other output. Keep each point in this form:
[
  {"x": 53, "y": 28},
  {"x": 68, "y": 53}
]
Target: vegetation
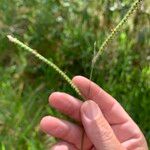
[{"x": 64, "y": 32}]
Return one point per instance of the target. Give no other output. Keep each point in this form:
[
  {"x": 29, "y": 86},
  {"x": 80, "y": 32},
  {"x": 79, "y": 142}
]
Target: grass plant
[
  {"x": 64, "y": 32},
  {"x": 134, "y": 7}
]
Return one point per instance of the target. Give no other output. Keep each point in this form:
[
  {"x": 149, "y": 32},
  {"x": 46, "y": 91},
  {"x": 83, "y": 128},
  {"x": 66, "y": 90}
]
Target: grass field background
[{"x": 64, "y": 31}]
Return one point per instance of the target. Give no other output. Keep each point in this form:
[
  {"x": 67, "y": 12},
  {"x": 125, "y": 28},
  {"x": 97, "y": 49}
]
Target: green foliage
[{"x": 64, "y": 32}]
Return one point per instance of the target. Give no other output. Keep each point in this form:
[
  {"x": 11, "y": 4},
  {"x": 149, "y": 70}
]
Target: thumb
[{"x": 97, "y": 128}]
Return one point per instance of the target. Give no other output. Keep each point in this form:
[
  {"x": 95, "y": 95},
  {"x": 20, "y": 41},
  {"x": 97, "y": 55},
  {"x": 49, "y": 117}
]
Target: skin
[{"x": 105, "y": 124}]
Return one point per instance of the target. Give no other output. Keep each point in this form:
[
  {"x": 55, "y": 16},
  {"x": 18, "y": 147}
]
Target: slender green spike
[
  {"x": 133, "y": 8},
  {"x": 48, "y": 62}
]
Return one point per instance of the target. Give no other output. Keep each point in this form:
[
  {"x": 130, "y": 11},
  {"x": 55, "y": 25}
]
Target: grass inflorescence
[
  {"x": 48, "y": 62},
  {"x": 133, "y": 8}
]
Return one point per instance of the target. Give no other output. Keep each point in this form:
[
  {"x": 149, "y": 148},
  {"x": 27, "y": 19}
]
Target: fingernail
[{"x": 90, "y": 110}]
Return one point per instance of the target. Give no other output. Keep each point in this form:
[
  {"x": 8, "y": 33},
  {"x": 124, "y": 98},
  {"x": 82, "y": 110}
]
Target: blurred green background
[{"x": 64, "y": 31}]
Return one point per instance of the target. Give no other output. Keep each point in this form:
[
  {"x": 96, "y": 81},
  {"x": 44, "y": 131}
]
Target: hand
[{"x": 106, "y": 125}]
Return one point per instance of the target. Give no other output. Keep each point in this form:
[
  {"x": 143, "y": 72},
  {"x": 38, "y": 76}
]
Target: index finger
[{"x": 111, "y": 109}]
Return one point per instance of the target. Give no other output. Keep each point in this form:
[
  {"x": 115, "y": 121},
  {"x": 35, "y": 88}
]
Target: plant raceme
[{"x": 43, "y": 59}]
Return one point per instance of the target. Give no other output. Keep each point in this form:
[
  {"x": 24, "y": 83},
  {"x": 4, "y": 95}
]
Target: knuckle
[
  {"x": 107, "y": 136},
  {"x": 70, "y": 109},
  {"x": 63, "y": 133},
  {"x": 106, "y": 132},
  {"x": 140, "y": 140}
]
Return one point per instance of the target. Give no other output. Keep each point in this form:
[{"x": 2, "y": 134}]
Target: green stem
[{"x": 48, "y": 62}]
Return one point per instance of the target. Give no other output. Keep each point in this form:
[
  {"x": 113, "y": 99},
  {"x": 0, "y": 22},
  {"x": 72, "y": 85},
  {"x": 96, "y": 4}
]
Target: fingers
[
  {"x": 113, "y": 112},
  {"x": 125, "y": 131},
  {"x": 111, "y": 109},
  {"x": 63, "y": 146},
  {"x": 64, "y": 130},
  {"x": 136, "y": 144},
  {"x": 61, "y": 129},
  {"x": 66, "y": 104},
  {"x": 97, "y": 128}
]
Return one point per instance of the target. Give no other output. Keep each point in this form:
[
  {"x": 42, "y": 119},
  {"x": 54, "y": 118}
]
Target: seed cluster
[
  {"x": 134, "y": 7},
  {"x": 48, "y": 62}
]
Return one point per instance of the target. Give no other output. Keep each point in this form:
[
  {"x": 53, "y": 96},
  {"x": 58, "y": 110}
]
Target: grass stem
[{"x": 48, "y": 62}]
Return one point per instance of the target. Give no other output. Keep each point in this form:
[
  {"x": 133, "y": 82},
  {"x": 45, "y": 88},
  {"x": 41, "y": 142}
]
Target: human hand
[{"x": 106, "y": 125}]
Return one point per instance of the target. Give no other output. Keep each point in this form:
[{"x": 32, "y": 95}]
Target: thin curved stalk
[
  {"x": 133, "y": 8},
  {"x": 48, "y": 62}
]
